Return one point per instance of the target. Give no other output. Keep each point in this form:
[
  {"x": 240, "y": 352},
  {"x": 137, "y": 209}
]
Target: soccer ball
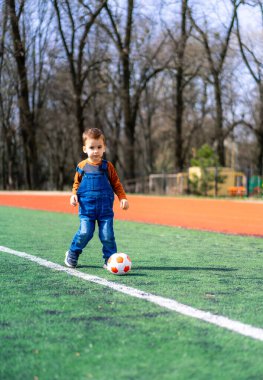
[{"x": 119, "y": 263}]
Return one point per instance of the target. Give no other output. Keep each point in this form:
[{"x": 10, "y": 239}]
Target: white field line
[{"x": 232, "y": 325}]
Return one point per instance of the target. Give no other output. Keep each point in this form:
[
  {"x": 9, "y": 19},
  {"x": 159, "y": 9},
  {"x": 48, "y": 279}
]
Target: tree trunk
[
  {"x": 179, "y": 162},
  {"x": 129, "y": 118},
  {"x": 26, "y": 118},
  {"x": 219, "y": 136},
  {"x": 260, "y": 131},
  {"x": 179, "y": 111}
]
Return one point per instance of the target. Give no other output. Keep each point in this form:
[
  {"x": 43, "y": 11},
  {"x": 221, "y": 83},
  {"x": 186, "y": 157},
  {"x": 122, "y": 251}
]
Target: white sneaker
[{"x": 71, "y": 259}]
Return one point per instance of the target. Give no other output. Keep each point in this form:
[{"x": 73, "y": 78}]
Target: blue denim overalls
[{"x": 95, "y": 196}]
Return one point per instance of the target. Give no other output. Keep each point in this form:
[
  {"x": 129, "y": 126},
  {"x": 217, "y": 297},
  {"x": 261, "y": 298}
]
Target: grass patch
[{"x": 54, "y": 326}]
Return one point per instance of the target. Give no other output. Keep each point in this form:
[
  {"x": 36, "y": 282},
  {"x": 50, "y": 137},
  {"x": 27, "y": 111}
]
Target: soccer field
[{"x": 56, "y": 326}]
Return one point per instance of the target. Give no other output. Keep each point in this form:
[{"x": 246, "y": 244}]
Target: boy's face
[{"x": 94, "y": 148}]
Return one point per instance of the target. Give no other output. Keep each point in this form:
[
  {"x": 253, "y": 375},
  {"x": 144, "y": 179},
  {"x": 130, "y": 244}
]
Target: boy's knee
[{"x": 86, "y": 228}]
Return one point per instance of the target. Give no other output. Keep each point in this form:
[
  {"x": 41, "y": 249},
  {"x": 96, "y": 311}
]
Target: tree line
[{"x": 159, "y": 78}]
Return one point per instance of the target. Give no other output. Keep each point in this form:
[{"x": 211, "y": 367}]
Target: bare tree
[
  {"x": 182, "y": 71},
  {"x": 74, "y": 24},
  {"x": 133, "y": 82},
  {"x": 7, "y": 95},
  {"x": 216, "y": 56},
  {"x": 254, "y": 64},
  {"x": 109, "y": 110},
  {"x": 150, "y": 106},
  {"x": 180, "y": 79},
  {"x": 58, "y": 137},
  {"x": 26, "y": 117},
  {"x": 29, "y": 48}
]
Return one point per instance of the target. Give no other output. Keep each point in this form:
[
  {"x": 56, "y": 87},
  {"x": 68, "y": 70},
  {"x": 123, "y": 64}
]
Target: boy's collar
[{"x": 91, "y": 163}]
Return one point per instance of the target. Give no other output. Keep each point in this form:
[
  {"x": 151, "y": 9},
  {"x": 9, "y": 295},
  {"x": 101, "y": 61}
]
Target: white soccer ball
[{"x": 119, "y": 263}]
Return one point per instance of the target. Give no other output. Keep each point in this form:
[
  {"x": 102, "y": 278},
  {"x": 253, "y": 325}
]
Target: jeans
[{"x": 86, "y": 231}]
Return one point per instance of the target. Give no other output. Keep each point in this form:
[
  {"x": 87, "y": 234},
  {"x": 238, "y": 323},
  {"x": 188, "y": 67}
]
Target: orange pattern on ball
[{"x": 119, "y": 259}]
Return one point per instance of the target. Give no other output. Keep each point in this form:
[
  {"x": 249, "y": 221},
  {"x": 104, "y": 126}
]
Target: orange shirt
[{"x": 112, "y": 175}]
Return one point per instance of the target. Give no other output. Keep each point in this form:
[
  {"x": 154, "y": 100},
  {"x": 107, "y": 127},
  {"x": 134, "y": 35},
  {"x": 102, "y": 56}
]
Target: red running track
[{"x": 226, "y": 216}]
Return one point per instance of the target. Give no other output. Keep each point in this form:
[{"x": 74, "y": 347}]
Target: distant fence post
[
  {"x": 164, "y": 183},
  {"x": 216, "y": 181},
  {"x": 248, "y": 181},
  {"x": 188, "y": 180}
]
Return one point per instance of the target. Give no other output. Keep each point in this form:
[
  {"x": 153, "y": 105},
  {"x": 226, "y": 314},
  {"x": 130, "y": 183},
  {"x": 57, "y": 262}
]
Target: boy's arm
[
  {"x": 76, "y": 183},
  {"x": 117, "y": 186}
]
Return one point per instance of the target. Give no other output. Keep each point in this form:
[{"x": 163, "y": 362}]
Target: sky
[
  {"x": 217, "y": 13},
  {"x": 216, "y": 10}
]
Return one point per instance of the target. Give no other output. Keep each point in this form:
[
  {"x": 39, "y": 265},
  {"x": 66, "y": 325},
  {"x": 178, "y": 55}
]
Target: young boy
[{"x": 94, "y": 186}]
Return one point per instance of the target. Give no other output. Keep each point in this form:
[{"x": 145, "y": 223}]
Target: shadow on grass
[
  {"x": 215, "y": 269},
  {"x": 130, "y": 274},
  {"x": 90, "y": 266}
]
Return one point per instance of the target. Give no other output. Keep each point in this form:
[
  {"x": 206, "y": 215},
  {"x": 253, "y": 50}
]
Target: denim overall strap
[
  {"x": 104, "y": 166},
  {"x": 80, "y": 171},
  {"x": 95, "y": 180}
]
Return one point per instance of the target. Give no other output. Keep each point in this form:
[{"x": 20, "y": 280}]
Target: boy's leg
[
  {"x": 106, "y": 235},
  {"x": 80, "y": 240}
]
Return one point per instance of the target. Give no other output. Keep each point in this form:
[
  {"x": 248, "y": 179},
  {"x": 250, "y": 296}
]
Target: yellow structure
[{"x": 234, "y": 183}]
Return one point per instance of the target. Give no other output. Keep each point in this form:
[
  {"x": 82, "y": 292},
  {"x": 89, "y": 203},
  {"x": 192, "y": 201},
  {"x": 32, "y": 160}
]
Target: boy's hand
[
  {"x": 74, "y": 200},
  {"x": 124, "y": 204}
]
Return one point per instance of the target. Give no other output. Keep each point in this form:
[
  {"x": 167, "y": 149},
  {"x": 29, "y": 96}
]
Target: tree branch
[
  {"x": 245, "y": 59},
  {"x": 85, "y": 34}
]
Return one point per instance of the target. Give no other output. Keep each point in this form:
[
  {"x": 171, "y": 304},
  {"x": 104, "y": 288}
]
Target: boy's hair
[{"x": 93, "y": 133}]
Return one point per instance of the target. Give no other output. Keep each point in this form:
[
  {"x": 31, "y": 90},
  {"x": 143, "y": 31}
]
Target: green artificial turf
[{"x": 54, "y": 326}]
